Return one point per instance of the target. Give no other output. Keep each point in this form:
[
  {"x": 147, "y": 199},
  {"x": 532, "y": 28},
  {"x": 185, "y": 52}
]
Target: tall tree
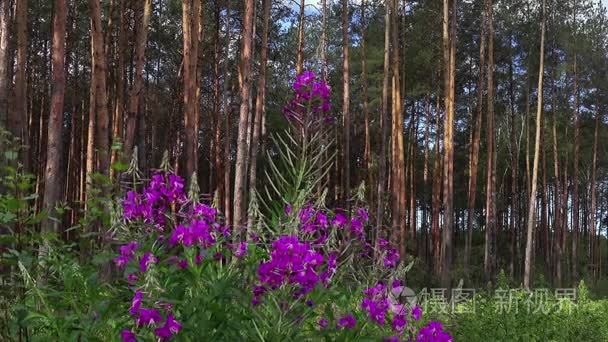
[
  {"x": 490, "y": 245},
  {"x": 397, "y": 152},
  {"x": 575, "y": 157},
  {"x": 259, "y": 102},
  {"x": 138, "y": 80},
  {"x": 55, "y": 172},
  {"x": 300, "y": 56},
  {"x": 190, "y": 24},
  {"x": 240, "y": 176},
  {"x": 449, "y": 59},
  {"x": 346, "y": 101},
  {"x": 367, "y": 149},
  {"x": 539, "y": 115},
  {"x": 476, "y": 139},
  {"x": 18, "y": 117},
  {"x": 100, "y": 89},
  {"x": 4, "y": 53}
]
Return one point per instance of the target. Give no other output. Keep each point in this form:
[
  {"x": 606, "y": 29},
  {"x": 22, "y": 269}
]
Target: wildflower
[
  {"x": 416, "y": 313},
  {"x": 148, "y": 317},
  {"x": 241, "y": 250},
  {"x": 121, "y": 261},
  {"x": 433, "y": 332},
  {"x": 339, "y": 220},
  {"x": 391, "y": 339},
  {"x": 398, "y": 323},
  {"x": 146, "y": 260},
  {"x": 323, "y": 322},
  {"x": 127, "y": 335},
  {"x": 129, "y": 249},
  {"x": 347, "y": 322},
  {"x": 362, "y": 213},
  {"x": 391, "y": 258},
  {"x": 132, "y": 278},
  {"x": 136, "y": 303},
  {"x": 170, "y": 328}
]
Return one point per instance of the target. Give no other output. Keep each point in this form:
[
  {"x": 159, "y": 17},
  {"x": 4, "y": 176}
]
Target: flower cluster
[
  {"x": 310, "y": 103},
  {"x": 150, "y": 317},
  {"x": 433, "y": 332},
  {"x": 293, "y": 262},
  {"x": 127, "y": 252},
  {"x": 382, "y": 306},
  {"x": 150, "y": 206},
  {"x": 390, "y": 255}
]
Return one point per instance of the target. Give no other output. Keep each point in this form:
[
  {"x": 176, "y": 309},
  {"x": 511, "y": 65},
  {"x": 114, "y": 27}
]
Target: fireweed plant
[{"x": 189, "y": 276}]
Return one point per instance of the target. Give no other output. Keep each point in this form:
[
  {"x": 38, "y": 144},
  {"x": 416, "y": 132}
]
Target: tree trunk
[
  {"x": 383, "y": 123},
  {"x": 346, "y": 103},
  {"x": 490, "y": 244},
  {"x": 449, "y": 58},
  {"x": 397, "y": 163},
  {"x": 138, "y": 80},
  {"x": 532, "y": 203},
  {"x": 324, "y": 41},
  {"x": 18, "y": 118},
  {"x": 476, "y": 141},
  {"x": 260, "y": 103},
  {"x": 217, "y": 188},
  {"x": 119, "y": 104},
  {"x": 190, "y": 23},
  {"x": 54, "y": 174},
  {"x": 592, "y": 238},
  {"x": 300, "y": 57},
  {"x": 367, "y": 154},
  {"x": 240, "y": 177},
  {"x": 575, "y": 176},
  {"x": 100, "y": 90},
  {"x": 4, "y": 65}
]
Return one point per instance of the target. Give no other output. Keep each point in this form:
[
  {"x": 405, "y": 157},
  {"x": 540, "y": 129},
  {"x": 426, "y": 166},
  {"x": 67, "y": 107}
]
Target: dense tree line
[{"x": 473, "y": 129}]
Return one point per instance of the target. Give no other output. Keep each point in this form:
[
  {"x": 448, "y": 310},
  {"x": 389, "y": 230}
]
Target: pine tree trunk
[
  {"x": 240, "y": 176},
  {"x": 259, "y": 104},
  {"x": 575, "y": 176},
  {"x": 4, "y": 65},
  {"x": 476, "y": 141},
  {"x": 300, "y": 56},
  {"x": 593, "y": 241},
  {"x": 346, "y": 104},
  {"x": 54, "y": 174},
  {"x": 324, "y": 40},
  {"x": 138, "y": 80},
  {"x": 531, "y": 222},
  {"x": 383, "y": 124},
  {"x": 449, "y": 57},
  {"x": 490, "y": 244},
  {"x": 217, "y": 186},
  {"x": 119, "y": 104},
  {"x": 18, "y": 118},
  {"x": 101, "y": 97},
  {"x": 367, "y": 153}
]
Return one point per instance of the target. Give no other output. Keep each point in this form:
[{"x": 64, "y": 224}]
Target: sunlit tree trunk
[
  {"x": 346, "y": 103},
  {"x": 300, "y": 56},
  {"x": 531, "y": 222},
  {"x": 138, "y": 80},
  {"x": 240, "y": 177},
  {"x": 383, "y": 121},
  {"x": 449, "y": 59}
]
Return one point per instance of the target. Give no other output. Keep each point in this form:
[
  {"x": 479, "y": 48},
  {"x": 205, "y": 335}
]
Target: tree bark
[
  {"x": 18, "y": 118},
  {"x": 55, "y": 172},
  {"x": 346, "y": 102},
  {"x": 240, "y": 177},
  {"x": 593, "y": 242},
  {"x": 138, "y": 80},
  {"x": 367, "y": 153},
  {"x": 100, "y": 89},
  {"x": 449, "y": 58},
  {"x": 300, "y": 56},
  {"x": 532, "y": 203},
  {"x": 260, "y": 103},
  {"x": 490, "y": 245},
  {"x": 4, "y": 65}
]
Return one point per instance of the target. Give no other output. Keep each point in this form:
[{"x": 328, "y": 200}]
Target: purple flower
[
  {"x": 391, "y": 258},
  {"x": 127, "y": 335},
  {"x": 416, "y": 313},
  {"x": 148, "y": 317},
  {"x": 339, "y": 220},
  {"x": 323, "y": 322},
  {"x": 347, "y": 322},
  {"x": 121, "y": 261},
  {"x": 129, "y": 249},
  {"x": 136, "y": 303},
  {"x": 362, "y": 213},
  {"x": 391, "y": 339},
  {"x": 433, "y": 332},
  {"x": 398, "y": 323},
  {"x": 288, "y": 209},
  {"x": 146, "y": 260},
  {"x": 170, "y": 328},
  {"x": 241, "y": 250}
]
